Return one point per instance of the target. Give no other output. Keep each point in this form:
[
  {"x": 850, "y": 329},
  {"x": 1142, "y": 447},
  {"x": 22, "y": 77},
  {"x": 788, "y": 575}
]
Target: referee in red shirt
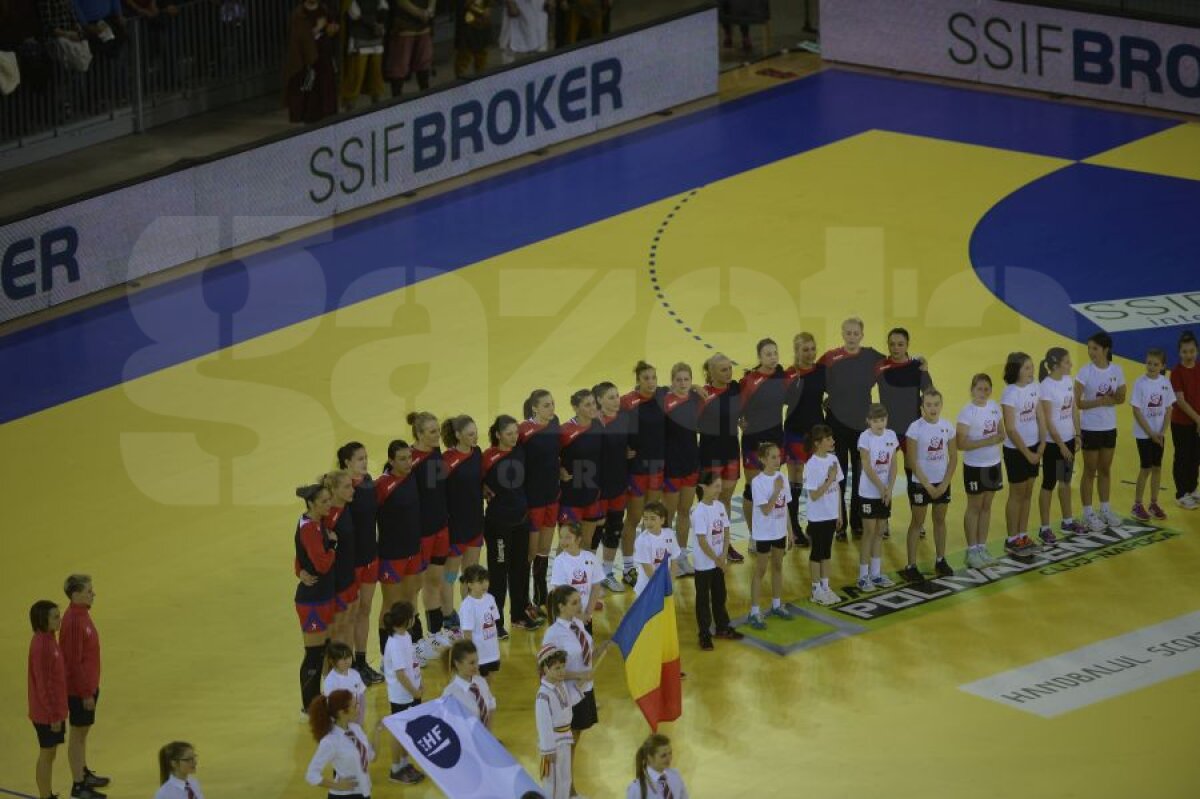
[{"x": 80, "y": 645}]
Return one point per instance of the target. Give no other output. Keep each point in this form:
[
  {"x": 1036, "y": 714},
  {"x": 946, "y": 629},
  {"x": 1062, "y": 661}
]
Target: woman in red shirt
[
  {"x": 47, "y": 690},
  {"x": 1185, "y": 423}
]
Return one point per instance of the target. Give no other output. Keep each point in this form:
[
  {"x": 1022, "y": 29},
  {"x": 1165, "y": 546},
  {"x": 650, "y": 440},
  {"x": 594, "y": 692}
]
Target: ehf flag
[{"x": 458, "y": 752}]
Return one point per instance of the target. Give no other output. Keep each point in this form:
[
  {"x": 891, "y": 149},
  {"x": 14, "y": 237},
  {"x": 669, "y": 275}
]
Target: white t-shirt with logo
[
  {"x": 769, "y": 526},
  {"x": 581, "y": 572},
  {"x": 981, "y": 421},
  {"x": 399, "y": 655},
  {"x": 651, "y": 550},
  {"x": 482, "y": 617},
  {"x": 1060, "y": 394},
  {"x": 1153, "y": 398},
  {"x": 1096, "y": 383},
  {"x": 712, "y": 522},
  {"x": 816, "y": 472},
  {"x": 881, "y": 455},
  {"x": 933, "y": 447},
  {"x": 1024, "y": 402}
]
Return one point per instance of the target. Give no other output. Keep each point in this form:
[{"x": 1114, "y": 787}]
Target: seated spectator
[
  {"x": 309, "y": 76},
  {"x": 363, "y": 67},
  {"x": 103, "y": 23}
]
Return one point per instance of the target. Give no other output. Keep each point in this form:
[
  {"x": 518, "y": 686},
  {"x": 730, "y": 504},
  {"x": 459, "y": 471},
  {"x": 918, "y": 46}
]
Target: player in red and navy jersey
[
  {"x": 614, "y": 481},
  {"x": 647, "y": 441},
  {"x": 506, "y": 522},
  {"x": 581, "y": 449},
  {"x": 352, "y": 457},
  {"x": 429, "y": 469},
  {"x": 720, "y": 407},
  {"x": 340, "y": 520},
  {"x": 464, "y": 502},
  {"x": 538, "y": 437},
  {"x": 762, "y": 413},
  {"x": 316, "y": 551},
  {"x": 804, "y": 391},
  {"x": 399, "y": 522},
  {"x": 682, "y": 468}
]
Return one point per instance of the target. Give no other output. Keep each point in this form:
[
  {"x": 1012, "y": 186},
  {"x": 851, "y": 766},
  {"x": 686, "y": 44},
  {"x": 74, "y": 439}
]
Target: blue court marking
[
  {"x": 1089, "y": 233},
  {"x": 194, "y": 315}
]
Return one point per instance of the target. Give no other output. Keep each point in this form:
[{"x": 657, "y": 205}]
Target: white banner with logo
[
  {"x": 458, "y": 753},
  {"x": 163, "y": 222},
  {"x": 1014, "y": 44}
]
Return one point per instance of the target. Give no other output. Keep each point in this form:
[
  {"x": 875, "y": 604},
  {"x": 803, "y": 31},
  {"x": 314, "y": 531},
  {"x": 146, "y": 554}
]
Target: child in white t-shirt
[
  {"x": 770, "y": 493},
  {"x": 578, "y": 568},
  {"x": 342, "y": 676},
  {"x": 710, "y": 524},
  {"x": 933, "y": 456},
  {"x": 402, "y": 671},
  {"x": 1151, "y": 403},
  {"x": 877, "y": 446},
  {"x": 480, "y": 620},
  {"x": 654, "y": 543},
  {"x": 822, "y": 474}
]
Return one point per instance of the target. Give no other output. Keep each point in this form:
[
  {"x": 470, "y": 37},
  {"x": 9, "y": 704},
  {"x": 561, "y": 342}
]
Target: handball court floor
[{"x": 153, "y": 440}]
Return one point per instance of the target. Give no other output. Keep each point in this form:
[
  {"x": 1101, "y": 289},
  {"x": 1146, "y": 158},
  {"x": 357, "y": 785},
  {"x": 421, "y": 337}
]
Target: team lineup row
[{"x": 413, "y": 529}]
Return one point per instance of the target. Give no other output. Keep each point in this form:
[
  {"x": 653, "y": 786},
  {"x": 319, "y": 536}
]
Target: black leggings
[
  {"x": 845, "y": 441},
  {"x": 1187, "y": 458},
  {"x": 310, "y": 674},
  {"x": 508, "y": 564}
]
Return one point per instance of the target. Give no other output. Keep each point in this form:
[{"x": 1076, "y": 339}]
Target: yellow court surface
[{"x": 174, "y": 489}]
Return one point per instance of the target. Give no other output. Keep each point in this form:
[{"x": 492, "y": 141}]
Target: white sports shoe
[
  {"x": 1187, "y": 502},
  {"x": 817, "y": 597},
  {"x": 424, "y": 651},
  {"x": 1111, "y": 519},
  {"x": 613, "y": 585},
  {"x": 1094, "y": 523},
  {"x": 830, "y": 598},
  {"x": 442, "y": 640}
]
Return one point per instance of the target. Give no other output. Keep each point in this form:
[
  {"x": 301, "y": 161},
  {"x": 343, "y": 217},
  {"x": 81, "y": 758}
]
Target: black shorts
[
  {"x": 47, "y": 738},
  {"x": 396, "y": 708},
  {"x": 821, "y": 536},
  {"x": 583, "y": 715},
  {"x": 489, "y": 668},
  {"x": 874, "y": 508},
  {"x": 1149, "y": 453},
  {"x": 1055, "y": 468},
  {"x": 763, "y": 547},
  {"x": 78, "y": 716},
  {"x": 980, "y": 479},
  {"x": 1017, "y": 466},
  {"x": 1098, "y": 439},
  {"x": 918, "y": 497}
]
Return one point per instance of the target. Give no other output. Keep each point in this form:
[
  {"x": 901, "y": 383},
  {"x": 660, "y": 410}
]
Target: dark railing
[
  {"x": 182, "y": 59},
  {"x": 1172, "y": 12}
]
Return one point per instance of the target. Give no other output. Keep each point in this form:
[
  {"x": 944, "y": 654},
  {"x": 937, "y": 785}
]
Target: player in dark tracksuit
[
  {"x": 614, "y": 480},
  {"x": 902, "y": 381},
  {"x": 720, "y": 408},
  {"x": 804, "y": 396}
]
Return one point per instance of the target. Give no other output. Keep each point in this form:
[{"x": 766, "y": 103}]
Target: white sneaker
[
  {"x": 1187, "y": 502},
  {"x": 613, "y": 585},
  {"x": 424, "y": 651},
  {"x": 882, "y": 581},
  {"x": 817, "y": 597},
  {"x": 830, "y": 598},
  {"x": 865, "y": 585},
  {"x": 1111, "y": 519},
  {"x": 1094, "y": 523},
  {"x": 442, "y": 640},
  {"x": 986, "y": 559}
]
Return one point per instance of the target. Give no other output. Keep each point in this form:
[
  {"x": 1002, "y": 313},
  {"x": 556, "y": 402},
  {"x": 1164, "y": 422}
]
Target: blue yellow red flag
[{"x": 649, "y": 642}]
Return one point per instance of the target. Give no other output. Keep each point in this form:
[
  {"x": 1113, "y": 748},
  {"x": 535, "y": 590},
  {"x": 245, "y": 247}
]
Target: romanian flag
[{"x": 649, "y": 642}]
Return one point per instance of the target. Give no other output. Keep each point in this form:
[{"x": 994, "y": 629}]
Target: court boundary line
[{"x": 17, "y": 793}]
